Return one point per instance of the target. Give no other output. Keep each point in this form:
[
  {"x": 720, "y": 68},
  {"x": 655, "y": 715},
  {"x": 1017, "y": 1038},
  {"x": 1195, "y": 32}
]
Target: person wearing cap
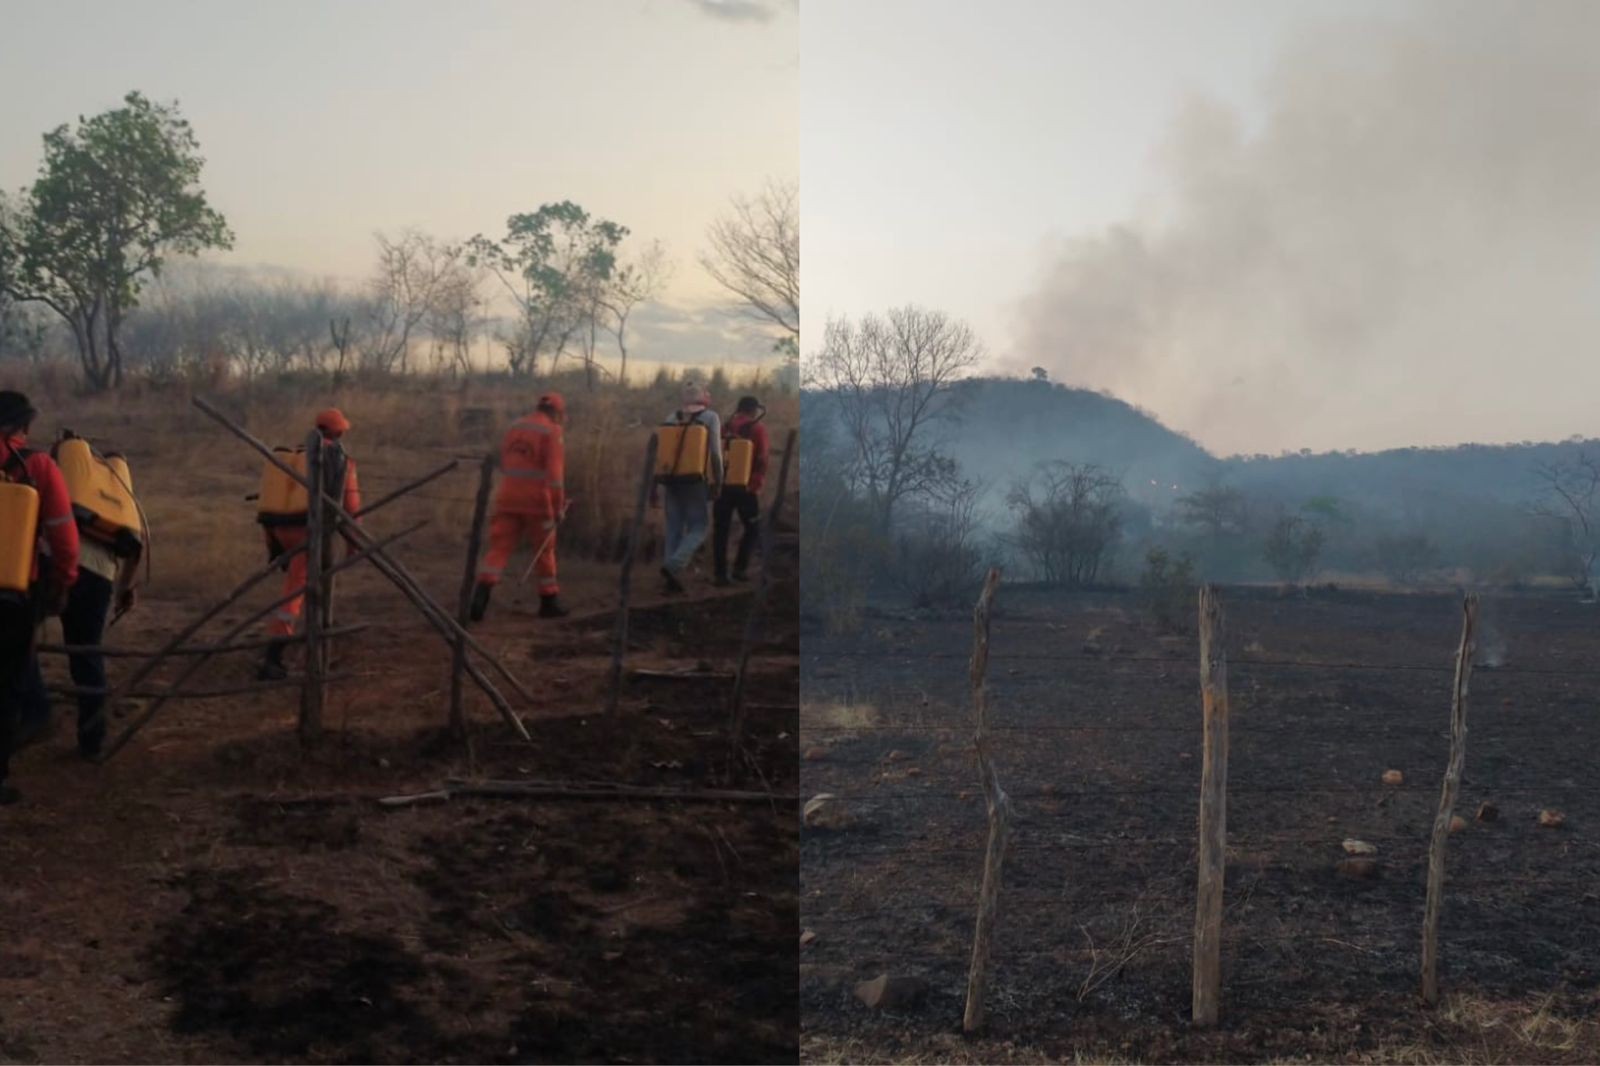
[
  {"x": 688, "y": 502},
  {"x": 529, "y": 504},
  {"x": 745, "y": 501},
  {"x": 340, "y": 482},
  {"x": 52, "y": 579}
]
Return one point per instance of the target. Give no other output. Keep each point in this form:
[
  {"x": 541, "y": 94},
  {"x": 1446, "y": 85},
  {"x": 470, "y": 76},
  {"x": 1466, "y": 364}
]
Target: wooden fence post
[
  {"x": 619, "y": 639},
  {"x": 1213, "y": 811},
  {"x": 999, "y": 813},
  {"x": 316, "y": 545},
  {"x": 469, "y": 575},
  {"x": 1447, "y": 800},
  {"x": 758, "y": 604}
]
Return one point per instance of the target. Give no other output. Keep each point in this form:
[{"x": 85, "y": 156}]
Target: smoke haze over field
[
  {"x": 1405, "y": 252},
  {"x": 1275, "y": 225}
]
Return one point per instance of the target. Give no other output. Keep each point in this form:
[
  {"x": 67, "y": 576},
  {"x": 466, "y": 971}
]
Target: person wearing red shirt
[
  {"x": 53, "y": 577},
  {"x": 745, "y": 502}
]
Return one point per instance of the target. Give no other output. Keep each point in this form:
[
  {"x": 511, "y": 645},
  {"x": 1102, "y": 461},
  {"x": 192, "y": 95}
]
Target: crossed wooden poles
[{"x": 325, "y": 518}]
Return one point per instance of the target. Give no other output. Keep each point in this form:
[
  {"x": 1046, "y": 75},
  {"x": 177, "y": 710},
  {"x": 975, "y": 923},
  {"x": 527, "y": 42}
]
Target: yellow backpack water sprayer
[
  {"x": 103, "y": 502},
  {"x": 19, "y": 532},
  {"x": 683, "y": 452},
  {"x": 283, "y": 501}
]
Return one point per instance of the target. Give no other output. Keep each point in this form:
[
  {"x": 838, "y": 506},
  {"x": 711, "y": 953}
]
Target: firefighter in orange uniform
[
  {"x": 339, "y": 477},
  {"x": 529, "y": 504}
]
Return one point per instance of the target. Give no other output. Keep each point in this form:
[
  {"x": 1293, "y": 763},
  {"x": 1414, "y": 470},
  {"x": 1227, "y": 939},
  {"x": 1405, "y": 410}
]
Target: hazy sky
[
  {"x": 1275, "y": 224},
  {"x": 324, "y": 120}
]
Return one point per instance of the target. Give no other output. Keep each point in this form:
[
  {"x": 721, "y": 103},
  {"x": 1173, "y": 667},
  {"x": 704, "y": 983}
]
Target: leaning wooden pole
[
  {"x": 1213, "y": 811},
  {"x": 199, "y": 661},
  {"x": 469, "y": 575},
  {"x": 619, "y": 638},
  {"x": 758, "y": 603},
  {"x": 999, "y": 813},
  {"x": 175, "y": 645},
  {"x": 401, "y": 578},
  {"x": 1447, "y": 800},
  {"x": 312, "y": 693}
]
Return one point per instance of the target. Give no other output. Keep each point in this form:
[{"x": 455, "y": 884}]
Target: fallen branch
[
  {"x": 193, "y": 694},
  {"x": 681, "y": 675},
  {"x": 565, "y": 790},
  {"x": 193, "y": 649}
]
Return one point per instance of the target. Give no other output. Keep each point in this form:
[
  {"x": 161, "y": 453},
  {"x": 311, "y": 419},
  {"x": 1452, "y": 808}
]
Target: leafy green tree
[
  {"x": 556, "y": 263},
  {"x": 115, "y": 198}
]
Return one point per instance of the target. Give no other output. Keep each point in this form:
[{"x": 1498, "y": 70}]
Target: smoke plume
[{"x": 1404, "y": 249}]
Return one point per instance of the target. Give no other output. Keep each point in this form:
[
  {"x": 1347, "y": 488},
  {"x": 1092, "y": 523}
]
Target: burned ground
[
  {"x": 215, "y": 894},
  {"x": 1097, "y": 718}
]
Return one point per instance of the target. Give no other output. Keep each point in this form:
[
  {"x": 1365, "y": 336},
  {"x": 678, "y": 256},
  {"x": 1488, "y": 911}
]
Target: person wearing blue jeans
[{"x": 688, "y": 504}]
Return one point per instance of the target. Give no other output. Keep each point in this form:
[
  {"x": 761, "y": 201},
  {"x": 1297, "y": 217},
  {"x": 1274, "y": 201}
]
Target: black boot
[
  {"x": 550, "y": 607},
  {"x": 480, "y": 601},
  {"x": 272, "y": 668},
  {"x": 670, "y": 582}
]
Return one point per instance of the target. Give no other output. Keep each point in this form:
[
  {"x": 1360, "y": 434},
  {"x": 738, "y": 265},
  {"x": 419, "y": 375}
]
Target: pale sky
[
  {"x": 322, "y": 121},
  {"x": 1301, "y": 182}
]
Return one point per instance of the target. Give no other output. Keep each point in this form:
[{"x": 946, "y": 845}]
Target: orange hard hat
[
  {"x": 332, "y": 422},
  {"x": 554, "y": 402}
]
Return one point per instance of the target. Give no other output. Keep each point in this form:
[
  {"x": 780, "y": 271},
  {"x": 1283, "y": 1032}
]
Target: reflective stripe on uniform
[
  {"x": 495, "y": 570},
  {"x": 531, "y": 475},
  {"x": 58, "y": 521},
  {"x": 286, "y": 616},
  {"x": 556, "y": 485},
  {"x": 537, "y": 427},
  {"x": 548, "y": 585}
]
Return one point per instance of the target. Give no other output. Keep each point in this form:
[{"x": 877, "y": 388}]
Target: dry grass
[
  {"x": 192, "y": 476},
  {"x": 1473, "y": 1030},
  {"x": 939, "y": 1048},
  {"x": 837, "y": 716}
]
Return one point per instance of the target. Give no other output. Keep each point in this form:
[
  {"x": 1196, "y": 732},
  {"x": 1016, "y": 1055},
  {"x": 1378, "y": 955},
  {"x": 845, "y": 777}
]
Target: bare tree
[
  {"x": 937, "y": 556},
  {"x": 1571, "y": 496},
  {"x": 638, "y": 281},
  {"x": 453, "y": 316},
  {"x": 1069, "y": 520},
  {"x": 755, "y": 255},
  {"x": 405, "y": 286},
  {"x": 891, "y": 381}
]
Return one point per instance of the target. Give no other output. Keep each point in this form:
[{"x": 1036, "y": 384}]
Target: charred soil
[
  {"x": 1098, "y": 730},
  {"x": 214, "y": 893}
]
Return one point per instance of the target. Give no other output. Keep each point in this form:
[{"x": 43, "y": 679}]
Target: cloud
[
  {"x": 1402, "y": 250},
  {"x": 740, "y": 10}
]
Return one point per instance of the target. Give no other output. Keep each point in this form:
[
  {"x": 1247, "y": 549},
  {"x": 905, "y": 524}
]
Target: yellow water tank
[
  {"x": 737, "y": 459},
  {"x": 102, "y": 496},
  {"x": 19, "y": 533},
  {"x": 283, "y": 501},
  {"x": 682, "y": 453}
]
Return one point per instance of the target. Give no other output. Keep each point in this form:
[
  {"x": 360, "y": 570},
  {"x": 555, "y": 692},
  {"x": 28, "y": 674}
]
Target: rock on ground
[{"x": 891, "y": 993}]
